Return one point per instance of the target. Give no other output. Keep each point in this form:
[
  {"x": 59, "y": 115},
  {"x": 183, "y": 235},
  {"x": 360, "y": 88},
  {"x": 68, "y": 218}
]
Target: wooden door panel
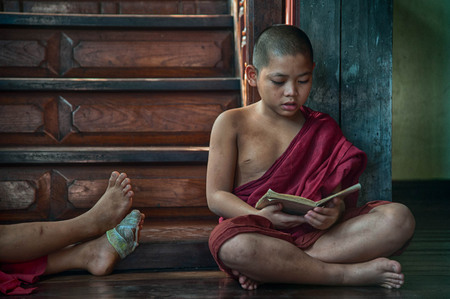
[
  {"x": 115, "y": 54},
  {"x": 22, "y": 118},
  {"x": 24, "y": 194},
  {"x": 61, "y": 192},
  {"x": 118, "y": 7},
  {"x": 166, "y": 192},
  {"x": 111, "y": 118}
]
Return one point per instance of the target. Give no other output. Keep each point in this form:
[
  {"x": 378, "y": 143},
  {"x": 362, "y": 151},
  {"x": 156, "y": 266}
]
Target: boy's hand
[
  {"x": 324, "y": 217},
  {"x": 279, "y": 219}
]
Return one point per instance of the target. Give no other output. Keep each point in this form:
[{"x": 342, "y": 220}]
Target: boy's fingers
[{"x": 274, "y": 208}]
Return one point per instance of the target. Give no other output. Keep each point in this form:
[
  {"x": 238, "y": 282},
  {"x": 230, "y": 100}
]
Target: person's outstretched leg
[
  {"x": 27, "y": 241},
  {"x": 256, "y": 258},
  {"x": 100, "y": 255}
]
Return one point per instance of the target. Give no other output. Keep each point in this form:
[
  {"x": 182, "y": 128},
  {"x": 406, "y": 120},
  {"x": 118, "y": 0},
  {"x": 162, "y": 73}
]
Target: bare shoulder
[{"x": 232, "y": 120}]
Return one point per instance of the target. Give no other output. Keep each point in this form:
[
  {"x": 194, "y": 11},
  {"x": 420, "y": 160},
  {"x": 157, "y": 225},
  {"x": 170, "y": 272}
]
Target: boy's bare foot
[
  {"x": 381, "y": 271},
  {"x": 97, "y": 256},
  {"x": 245, "y": 282},
  {"x": 101, "y": 257},
  {"x": 112, "y": 207}
]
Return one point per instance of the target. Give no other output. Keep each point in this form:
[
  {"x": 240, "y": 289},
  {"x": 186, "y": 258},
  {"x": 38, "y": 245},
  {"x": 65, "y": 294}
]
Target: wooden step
[
  {"x": 169, "y": 7},
  {"x": 169, "y": 231},
  {"x": 122, "y": 84},
  {"x": 116, "y": 52},
  {"x": 76, "y": 155},
  {"x": 112, "y": 113},
  {"x": 54, "y": 184},
  {"x": 173, "y": 245},
  {"x": 123, "y": 21},
  {"x": 116, "y": 46}
]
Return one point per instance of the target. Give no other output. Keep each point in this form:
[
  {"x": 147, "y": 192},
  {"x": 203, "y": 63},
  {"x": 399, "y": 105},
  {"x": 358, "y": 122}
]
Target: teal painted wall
[{"x": 421, "y": 90}]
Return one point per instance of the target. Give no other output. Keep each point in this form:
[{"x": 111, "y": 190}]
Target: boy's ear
[{"x": 251, "y": 74}]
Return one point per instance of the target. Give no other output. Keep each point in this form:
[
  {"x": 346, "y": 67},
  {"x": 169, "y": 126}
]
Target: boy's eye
[
  {"x": 303, "y": 82},
  {"x": 277, "y": 82}
]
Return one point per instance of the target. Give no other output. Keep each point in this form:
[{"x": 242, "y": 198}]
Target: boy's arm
[{"x": 222, "y": 163}]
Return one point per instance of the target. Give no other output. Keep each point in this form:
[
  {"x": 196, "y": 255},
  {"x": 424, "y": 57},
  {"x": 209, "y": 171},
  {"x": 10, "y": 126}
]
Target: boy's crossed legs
[{"x": 351, "y": 253}]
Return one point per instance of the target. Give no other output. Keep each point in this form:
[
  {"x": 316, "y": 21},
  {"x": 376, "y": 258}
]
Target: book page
[
  {"x": 298, "y": 205},
  {"x": 342, "y": 193}
]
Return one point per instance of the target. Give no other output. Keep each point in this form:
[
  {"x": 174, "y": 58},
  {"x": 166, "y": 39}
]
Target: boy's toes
[
  {"x": 120, "y": 179},
  {"x": 126, "y": 182},
  {"x": 113, "y": 178}
]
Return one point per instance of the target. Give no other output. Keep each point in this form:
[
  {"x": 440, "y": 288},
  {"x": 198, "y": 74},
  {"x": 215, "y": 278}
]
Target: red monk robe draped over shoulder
[{"x": 318, "y": 159}]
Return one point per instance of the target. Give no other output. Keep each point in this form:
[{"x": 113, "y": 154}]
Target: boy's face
[{"x": 284, "y": 84}]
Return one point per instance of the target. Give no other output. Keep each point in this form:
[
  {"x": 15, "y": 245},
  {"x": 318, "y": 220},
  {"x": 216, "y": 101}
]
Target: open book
[{"x": 298, "y": 205}]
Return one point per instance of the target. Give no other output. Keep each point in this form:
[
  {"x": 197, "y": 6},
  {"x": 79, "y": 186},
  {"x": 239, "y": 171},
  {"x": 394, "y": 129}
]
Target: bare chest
[{"x": 257, "y": 152}]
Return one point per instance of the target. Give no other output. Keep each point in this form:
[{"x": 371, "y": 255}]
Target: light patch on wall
[{"x": 421, "y": 83}]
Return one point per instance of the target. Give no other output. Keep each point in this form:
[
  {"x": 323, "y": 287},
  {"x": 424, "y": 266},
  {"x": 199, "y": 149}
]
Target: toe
[
  {"x": 120, "y": 179},
  {"x": 126, "y": 189},
  {"x": 126, "y": 182},
  {"x": 113, "y": 178}
]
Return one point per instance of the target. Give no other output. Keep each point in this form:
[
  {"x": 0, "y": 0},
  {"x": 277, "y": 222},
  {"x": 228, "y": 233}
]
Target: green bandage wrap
[{"x": 122, "y": 237}]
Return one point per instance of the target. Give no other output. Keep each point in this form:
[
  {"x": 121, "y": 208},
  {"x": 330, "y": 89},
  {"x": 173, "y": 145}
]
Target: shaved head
[{"x": 280, "y": 40}]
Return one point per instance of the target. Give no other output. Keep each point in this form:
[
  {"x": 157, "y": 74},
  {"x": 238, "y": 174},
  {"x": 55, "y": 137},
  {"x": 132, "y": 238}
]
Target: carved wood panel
[
  {"x": 114, "y": 118},
  {"x": 115, "y": 54},
  {"x": 24, "y": 194}
]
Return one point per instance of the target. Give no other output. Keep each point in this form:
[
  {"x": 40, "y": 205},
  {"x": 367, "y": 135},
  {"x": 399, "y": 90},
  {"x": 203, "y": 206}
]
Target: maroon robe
[
  {"x": 318, "y": 159},
  {"x": 14, "y": 276}
]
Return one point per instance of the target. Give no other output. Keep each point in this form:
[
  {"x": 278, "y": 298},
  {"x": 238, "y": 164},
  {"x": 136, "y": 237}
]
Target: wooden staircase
[{"x": 92, "y": 86}]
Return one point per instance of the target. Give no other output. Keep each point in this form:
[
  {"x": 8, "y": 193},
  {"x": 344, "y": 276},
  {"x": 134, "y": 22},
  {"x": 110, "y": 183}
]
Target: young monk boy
[
  {"x": 102, "y": 236},
  {"x": 279, "y": 143}
]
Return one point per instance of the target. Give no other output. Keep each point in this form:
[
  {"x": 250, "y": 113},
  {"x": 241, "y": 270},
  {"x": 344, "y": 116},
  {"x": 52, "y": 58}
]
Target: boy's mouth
[{"x": 289, "y": 106}]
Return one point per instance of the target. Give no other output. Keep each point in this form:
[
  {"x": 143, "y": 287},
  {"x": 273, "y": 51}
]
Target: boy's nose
[{"x": 290, "y": 90}]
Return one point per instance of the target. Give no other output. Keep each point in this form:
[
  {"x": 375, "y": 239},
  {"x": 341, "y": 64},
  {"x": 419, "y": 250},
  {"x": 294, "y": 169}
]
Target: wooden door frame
[{"x": 248, "y": 27}]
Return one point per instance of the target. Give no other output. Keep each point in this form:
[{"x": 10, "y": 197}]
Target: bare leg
[
  {"x": 26, "y": 241},
  {"x": 96, "y": 256},
  {"x": 361, "y": 239},
  {"x": 258, "y": 258},
  {"x": 379, "y": 233}
]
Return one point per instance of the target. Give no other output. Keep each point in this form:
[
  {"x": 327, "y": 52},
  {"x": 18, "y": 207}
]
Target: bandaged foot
[{"x": 124, "y": 237}]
